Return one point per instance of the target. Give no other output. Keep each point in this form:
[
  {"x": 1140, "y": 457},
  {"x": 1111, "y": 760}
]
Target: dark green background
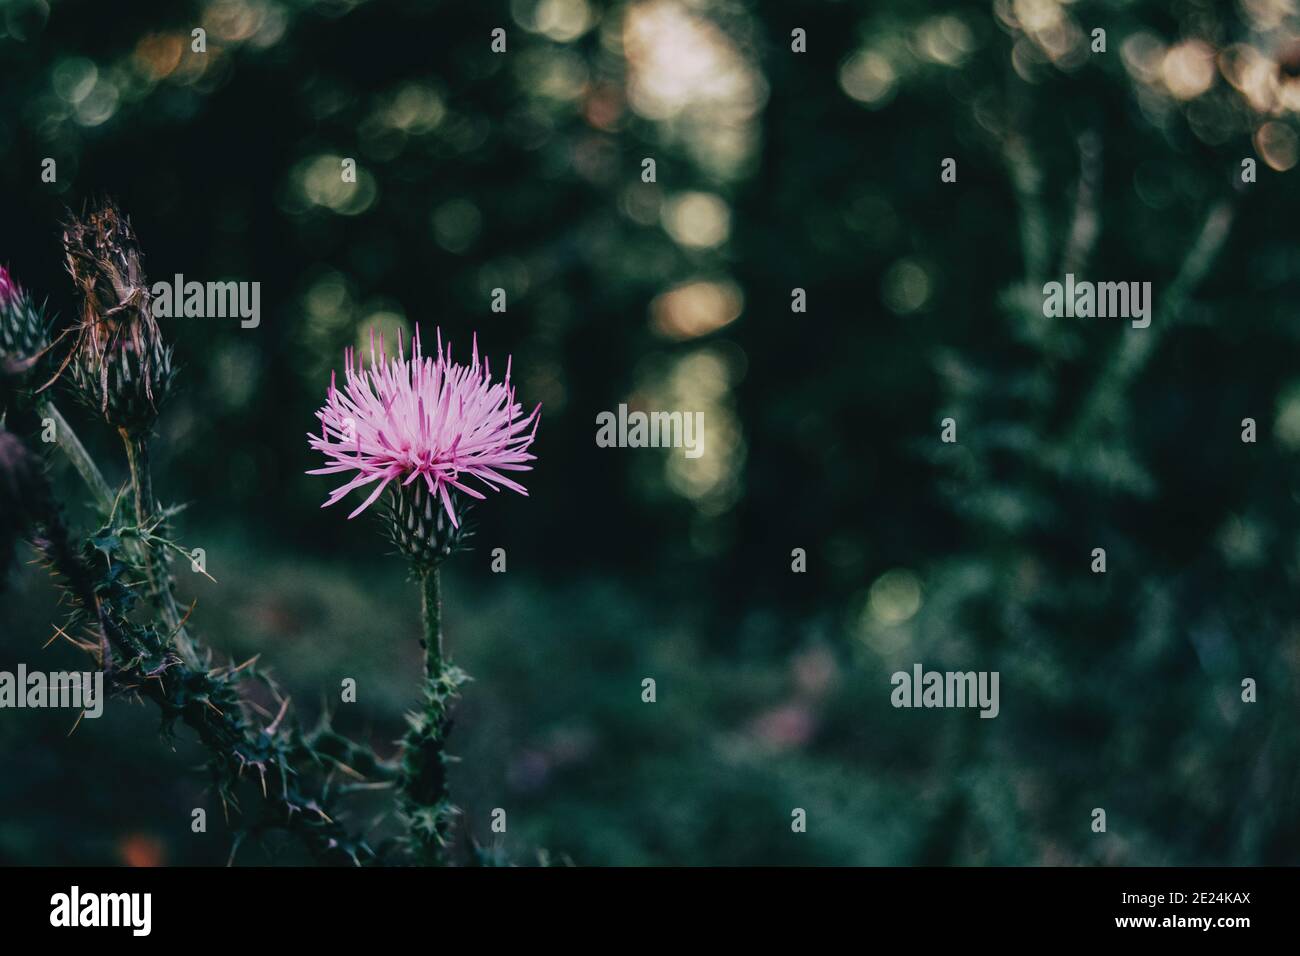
[{"x": 1119, "y": 691}]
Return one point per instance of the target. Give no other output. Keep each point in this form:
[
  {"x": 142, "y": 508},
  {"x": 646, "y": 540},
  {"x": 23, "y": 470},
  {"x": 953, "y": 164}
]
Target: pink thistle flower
[
  {"x": 10, "y": 292},
  {"x": 422, "y": 419}
]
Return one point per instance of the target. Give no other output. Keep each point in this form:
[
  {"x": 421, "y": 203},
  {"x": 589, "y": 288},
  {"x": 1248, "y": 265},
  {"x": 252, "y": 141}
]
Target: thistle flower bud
[
  {"x": 24, "y": 333},
  {"x": 120, "y": 364},
  {"x": 421, "y": 528}
]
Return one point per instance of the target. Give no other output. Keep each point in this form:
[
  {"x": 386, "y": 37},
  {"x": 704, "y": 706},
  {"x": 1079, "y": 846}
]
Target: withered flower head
[{"x": 119, "y": 362}]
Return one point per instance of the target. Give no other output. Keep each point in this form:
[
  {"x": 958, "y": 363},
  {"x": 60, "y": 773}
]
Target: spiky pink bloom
[
  {"x": 9, "y": 289},
  {"x": 422, "y": 419}
]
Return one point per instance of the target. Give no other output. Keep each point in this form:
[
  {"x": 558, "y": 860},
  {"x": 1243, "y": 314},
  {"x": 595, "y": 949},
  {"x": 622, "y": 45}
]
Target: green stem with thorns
[
  {"x": 426, "y": 797},
  {"x": 160, "y": 583}
]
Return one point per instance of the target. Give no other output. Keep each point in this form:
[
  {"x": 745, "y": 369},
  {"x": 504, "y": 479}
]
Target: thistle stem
[
  {"x": 155, "y": 565},
  {"x": 431, "y": 605},
  {"x": 426, "y": 797},
  {"x": 67, "y": 440},
  {"x": 137, "y": 457}
]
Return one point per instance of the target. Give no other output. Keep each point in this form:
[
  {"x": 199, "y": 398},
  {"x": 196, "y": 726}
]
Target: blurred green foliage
[{"x": 775, "y": 170}]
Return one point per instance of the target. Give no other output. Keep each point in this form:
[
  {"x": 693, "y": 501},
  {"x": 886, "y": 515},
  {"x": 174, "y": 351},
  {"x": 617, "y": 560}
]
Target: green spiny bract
[
  {"x": 24, "y": 338},
  {"x": 416, "y": 522},
  {"x": 125, "y": 387},
  {"x": 24, "y": 329}
]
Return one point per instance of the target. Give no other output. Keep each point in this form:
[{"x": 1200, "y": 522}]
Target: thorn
[
  {"x": 251, "y": 660},
  {"x": 349, "y": 770},
  {"x": 234, "y": 849},
  {"x": 60, "y": 632},
  {"x": 181, "y": 625},
  {"x": 275, "y": 724}
]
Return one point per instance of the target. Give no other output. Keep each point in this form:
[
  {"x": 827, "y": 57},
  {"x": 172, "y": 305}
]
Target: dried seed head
[{"x": 119, "y": 362}]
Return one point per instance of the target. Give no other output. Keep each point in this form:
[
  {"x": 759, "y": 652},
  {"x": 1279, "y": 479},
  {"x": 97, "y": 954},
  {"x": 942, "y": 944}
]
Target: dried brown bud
[{"x": 119, "y": 361}]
